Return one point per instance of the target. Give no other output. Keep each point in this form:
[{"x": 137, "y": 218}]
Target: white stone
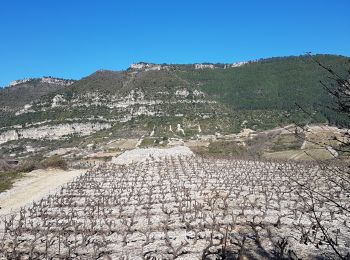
[
  {"x": 57, "y": 100},
  {"x": 203, "y": 66},
  {"x": 179, "y": 129},
  {"x": 152, "y": 133},
  {"x": 182, "y": 92},
  {"x": 17, "y": 82}
]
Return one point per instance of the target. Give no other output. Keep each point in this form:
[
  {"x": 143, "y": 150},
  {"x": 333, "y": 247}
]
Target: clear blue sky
[{"x": 73, "y": 38}]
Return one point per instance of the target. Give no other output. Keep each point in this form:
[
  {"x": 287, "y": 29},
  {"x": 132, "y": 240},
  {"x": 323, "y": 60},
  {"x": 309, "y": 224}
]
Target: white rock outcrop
[
  {"x": 56, "y": 81},
  {"x": 203, "y": 66},
  {"x": 9, "y": 135},
  {"x": 236, "y": 64},
  {"x": 179, "y": 129},
  {"x": 57, "y": 100},
  {"x": 26, "y": 109},
  {"x": 182, "y": 92},
  {"x": 145, "y": 66},
  {"x": 49, "y": 80},
  {"x": 53, "y": 132},
  {"x": 17, "y": 82}
]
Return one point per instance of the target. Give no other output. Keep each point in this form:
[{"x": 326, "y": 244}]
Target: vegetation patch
[
  {"x": 54, "y": 161},
  {"x": 154, "y": 142},
  {"x": 287, "y": 142},
  {"x": 226, "y": 148},
  {"x": 7, "y": 179},
  {"x": 10, "y": 174}
]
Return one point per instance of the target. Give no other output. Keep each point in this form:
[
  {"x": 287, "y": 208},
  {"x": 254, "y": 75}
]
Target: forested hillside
[{"x": 276, "y": 84}]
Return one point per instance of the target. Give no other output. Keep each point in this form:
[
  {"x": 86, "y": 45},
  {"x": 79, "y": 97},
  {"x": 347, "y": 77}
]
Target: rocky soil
[
  {"x": 186, "y": 207},
  {"x": 34, "y": 186}
]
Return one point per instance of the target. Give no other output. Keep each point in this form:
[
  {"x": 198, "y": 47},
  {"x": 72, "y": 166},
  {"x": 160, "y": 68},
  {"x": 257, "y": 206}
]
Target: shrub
[
  {"x": 54, "y": 161},
  {"x": 227, "y": 148},
  {"x": 9, "y": 174},
  {"x": 27, "y": 166}
]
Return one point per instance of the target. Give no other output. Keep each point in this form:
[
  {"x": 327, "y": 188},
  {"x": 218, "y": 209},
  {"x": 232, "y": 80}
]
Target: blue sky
[{"x": 73, "y": 38}]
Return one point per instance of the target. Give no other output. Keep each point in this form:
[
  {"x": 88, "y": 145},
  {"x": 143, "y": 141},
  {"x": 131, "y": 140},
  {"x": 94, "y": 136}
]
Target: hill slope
[
  {"x": 271, "y": 84},
  {"x": 167, "y": 100},
  {"x": 21, "y": 92}
]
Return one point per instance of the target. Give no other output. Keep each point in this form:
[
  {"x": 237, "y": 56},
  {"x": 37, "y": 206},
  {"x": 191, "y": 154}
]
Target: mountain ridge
[
  {"x": 168, "y": 101},
  {"x": 184, "y": 65}
]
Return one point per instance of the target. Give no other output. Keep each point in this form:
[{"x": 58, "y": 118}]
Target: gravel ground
[
  {"x": 165, "y": 204},
  {"x": 142, "y": 155},
  {"x": 34, "y": 186}
]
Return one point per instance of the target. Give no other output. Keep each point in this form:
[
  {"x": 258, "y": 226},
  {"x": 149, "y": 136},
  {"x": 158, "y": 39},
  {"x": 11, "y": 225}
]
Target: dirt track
[{"x": 34, "y": 186}]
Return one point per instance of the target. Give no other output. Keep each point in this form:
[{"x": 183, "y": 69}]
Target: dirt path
[{"x": 34, "y": 186}]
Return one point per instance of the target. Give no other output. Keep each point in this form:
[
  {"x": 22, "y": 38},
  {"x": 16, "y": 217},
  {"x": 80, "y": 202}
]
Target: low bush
[
  {"x": 227, "y": 148},
  {"x": 54, "y": 162},
  {"x": 9, "y": 174}
]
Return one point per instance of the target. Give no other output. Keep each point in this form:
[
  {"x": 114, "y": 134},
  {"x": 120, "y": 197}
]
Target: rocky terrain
[
  {"x": 197, "y": 161},
  {"x": 186, "y": 207},
  {"x": 165, "y": 101},
  {"x": 20, "y": 93},
  {"x": 52, "y": 132}
]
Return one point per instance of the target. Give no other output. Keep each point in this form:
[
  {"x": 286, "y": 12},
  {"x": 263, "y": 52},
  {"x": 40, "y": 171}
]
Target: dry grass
[{"x": 54, "y": 161}]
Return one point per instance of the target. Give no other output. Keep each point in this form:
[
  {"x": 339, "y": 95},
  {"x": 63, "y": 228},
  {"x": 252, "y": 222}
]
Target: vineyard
[{"x": 188, "y": 207}]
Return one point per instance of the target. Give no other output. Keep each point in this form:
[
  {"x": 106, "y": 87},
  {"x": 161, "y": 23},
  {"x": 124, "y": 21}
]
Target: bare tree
[{"x": 335, "y": 172}]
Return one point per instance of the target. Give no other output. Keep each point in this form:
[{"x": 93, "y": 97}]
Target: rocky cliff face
[
  {"x": 144, "y": 66},
  {"x": 52, "y": 132},
  {"x": 47, "y": 80}
]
